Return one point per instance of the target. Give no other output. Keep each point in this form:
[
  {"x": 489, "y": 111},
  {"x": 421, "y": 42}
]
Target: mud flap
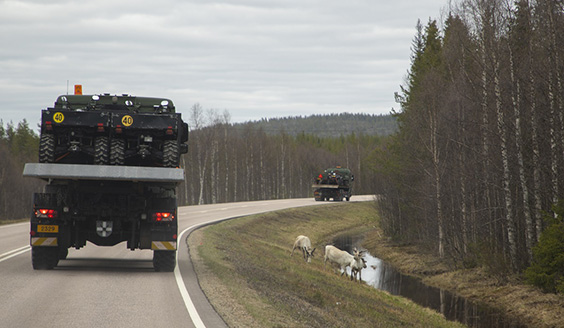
[{"x": 145, "y": 236}]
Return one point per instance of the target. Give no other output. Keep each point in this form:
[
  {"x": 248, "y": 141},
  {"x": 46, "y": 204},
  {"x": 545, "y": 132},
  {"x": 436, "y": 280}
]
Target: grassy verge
[
  {"x": 518, "y": 300},
  {"x": 245, "y": 269}
]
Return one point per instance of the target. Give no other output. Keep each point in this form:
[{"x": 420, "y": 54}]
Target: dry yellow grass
[
  {"x": 239, "y": 295},
  {"x": 245, "y": 269}
]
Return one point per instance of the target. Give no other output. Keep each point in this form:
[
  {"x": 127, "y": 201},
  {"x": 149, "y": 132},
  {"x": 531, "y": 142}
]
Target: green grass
[{"x": 251, "y": 258}]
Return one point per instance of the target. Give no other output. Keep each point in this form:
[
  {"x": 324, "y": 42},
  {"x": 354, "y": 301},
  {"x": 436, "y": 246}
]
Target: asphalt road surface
[{"x": 113, "y": 286}]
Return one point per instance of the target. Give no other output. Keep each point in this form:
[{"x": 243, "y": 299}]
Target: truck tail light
[
  {"x": 48, "y": 125},
  {"x": 100, "y": 127},
  {"x": 169, "y": 131},
  {"x": 45, "y": 213},
  {"x": 118, "y": 128},
  {"x": 163, "y": 216}
]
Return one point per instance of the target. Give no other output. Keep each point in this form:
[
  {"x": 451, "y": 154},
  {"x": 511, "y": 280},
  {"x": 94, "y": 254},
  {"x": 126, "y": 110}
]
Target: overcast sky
[{"x": 254, "y": 58}]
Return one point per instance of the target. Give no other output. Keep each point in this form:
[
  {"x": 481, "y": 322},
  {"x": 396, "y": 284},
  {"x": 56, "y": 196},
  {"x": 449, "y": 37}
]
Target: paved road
[{"x": 113, "y": 286}]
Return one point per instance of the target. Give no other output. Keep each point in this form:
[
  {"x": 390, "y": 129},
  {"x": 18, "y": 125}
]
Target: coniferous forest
[
  {"x": 18, "y": 145},
  {"x": 478, "y": 162}
]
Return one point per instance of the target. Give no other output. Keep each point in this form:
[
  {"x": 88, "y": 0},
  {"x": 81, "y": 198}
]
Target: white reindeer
[
  {"x": 303, "y": 243},
  {"x": 343, "y": 259},
  {"x": 355, "y": 270}
]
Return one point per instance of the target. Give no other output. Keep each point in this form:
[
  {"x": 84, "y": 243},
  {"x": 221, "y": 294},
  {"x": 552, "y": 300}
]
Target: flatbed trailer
[
  {"x": 105, "y": 205},
  {"x": 323, "y": 192}
]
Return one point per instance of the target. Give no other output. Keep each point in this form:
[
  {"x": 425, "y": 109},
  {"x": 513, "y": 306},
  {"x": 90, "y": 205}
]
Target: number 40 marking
[{"x": 58, "y": 117}]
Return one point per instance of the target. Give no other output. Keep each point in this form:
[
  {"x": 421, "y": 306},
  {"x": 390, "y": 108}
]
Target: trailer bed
[
  {"x": 49, "y": 171},
  {"x": 328, "y": 186}
]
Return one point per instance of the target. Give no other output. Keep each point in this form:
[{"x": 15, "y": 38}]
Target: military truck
[
  {"x": 105, "y": 205},
  {"x": 334, "y": 183},
  {"x": 112, "y": 130}
]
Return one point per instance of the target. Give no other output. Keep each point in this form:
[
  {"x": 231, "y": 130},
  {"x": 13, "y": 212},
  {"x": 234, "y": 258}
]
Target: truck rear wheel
[
  {"x": 164, "y": 261},
  {"x": 47, "y": 148},
  {"x": 170, "y": 153},
  {"x": 101, "y": 151},
  {"x": 117, "y": 152},
  {"x": 44, "y": 258},
  {"x": 63, "y": 253}
]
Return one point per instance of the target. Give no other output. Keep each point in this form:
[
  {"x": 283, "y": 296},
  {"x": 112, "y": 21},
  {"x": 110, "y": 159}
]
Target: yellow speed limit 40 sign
[
  {"x": 127, "y": 120},
  {"x": 58, "y": 117}
]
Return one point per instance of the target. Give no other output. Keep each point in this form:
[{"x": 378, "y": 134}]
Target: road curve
[{"x": 113, "y": 286}]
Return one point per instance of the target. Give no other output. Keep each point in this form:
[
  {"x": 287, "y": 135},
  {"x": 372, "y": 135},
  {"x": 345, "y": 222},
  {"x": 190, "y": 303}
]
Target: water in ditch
[{"x": 383, "y": 276}]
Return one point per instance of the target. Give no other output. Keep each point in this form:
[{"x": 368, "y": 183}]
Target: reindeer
[
  {"x": 358, "y": 270},
  {"x": 343, "y": 259},
  {"x": 303, "y": 243}
]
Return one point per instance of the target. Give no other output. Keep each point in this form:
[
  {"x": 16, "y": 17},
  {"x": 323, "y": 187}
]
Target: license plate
[{"x": 48, "y": 228}]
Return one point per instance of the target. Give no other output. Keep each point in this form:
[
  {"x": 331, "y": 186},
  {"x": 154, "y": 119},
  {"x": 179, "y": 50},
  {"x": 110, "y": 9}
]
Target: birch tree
[{"x": 198, "y": 146}]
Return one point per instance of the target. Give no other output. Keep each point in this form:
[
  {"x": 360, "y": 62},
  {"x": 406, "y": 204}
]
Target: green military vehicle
[
  {"x": 112, "y": 130},
  {"x": 335, "y": 183},
  {"x": 104, "y": 205},
  {"x": 87, "y": 198}
]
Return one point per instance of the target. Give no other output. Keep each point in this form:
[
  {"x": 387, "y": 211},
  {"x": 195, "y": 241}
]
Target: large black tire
[
  {"x": 63, "y": 253},
  {"x": 44, "y": 258},
  {"x": 164, "y": 261},
  {"x": 117, "y": 152},
  {"x": 170, "y": 153},
  {"x": 101, "y": 151},
  {"x": 47, "y": 148}
]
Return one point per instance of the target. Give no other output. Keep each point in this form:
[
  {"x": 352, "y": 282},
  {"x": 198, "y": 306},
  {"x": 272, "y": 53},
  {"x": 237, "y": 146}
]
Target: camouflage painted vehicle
[
  {"x": 112, "y": 130},
  {"x": 335, "y": 183}
]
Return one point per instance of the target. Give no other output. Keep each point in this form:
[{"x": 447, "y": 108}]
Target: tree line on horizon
[
  {"x": 328, "y": 125},
  {"x": 233, "y": 162},
  {"x": 225, "y": 163},
  {"x": 478, "y": 162}
]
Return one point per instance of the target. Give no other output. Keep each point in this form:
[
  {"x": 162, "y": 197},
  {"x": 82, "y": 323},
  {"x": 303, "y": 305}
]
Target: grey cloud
[{"x": 253, "y": 58}]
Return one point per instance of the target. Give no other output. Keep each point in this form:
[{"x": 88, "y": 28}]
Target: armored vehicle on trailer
[
  {"x": 335, "y": 183},
  {"x": 105, "y": 205},
  {"x": 112, "y": 130}
]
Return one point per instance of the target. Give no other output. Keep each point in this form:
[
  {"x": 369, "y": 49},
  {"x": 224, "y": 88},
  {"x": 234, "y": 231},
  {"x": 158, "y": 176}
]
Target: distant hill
[{"x": 333, "y": 125}]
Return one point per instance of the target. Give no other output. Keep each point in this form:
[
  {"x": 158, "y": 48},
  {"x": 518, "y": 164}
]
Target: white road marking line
[
  {"x": 184, "y": 292},
  {"x": 180, "y": 282},
  {"x": 14, "y": 252}
]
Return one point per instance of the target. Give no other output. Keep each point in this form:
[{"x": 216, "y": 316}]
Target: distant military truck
[
  {"x": 112, "y": 130},
  {"x": 334, "y": 183}
]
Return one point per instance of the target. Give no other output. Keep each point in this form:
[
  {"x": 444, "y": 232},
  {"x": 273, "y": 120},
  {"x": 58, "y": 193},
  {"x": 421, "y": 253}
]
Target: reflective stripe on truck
[
  {"x": 163, "y": 245},
  {"x": 44, "y": 241}
]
